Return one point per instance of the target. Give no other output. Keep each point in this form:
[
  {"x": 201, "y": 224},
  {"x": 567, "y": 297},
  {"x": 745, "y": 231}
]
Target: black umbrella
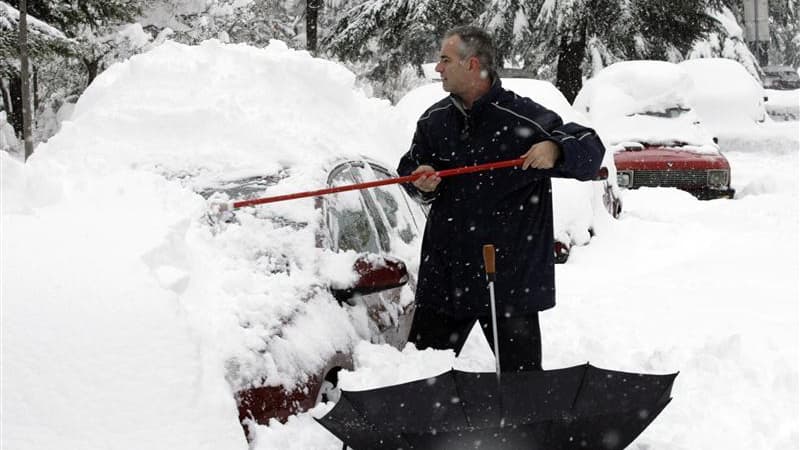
[{"x": 581, "y": 407}]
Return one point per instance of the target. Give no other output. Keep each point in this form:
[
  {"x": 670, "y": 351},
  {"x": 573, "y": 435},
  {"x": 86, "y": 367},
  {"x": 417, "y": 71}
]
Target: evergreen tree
[
  {"x": 391, "y": 34},
  {"x": 45, "y": 42},
  {"x": 784, "y": 31},
  {"x": 569, "y": 33}
]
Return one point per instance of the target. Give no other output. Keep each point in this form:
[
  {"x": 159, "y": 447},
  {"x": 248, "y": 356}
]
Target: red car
[
  {"x": 704, "y": 175},
  {"x": 642, "y": 110}
]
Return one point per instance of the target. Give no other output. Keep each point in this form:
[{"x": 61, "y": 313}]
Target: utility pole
[
  {"x": 27, "y": 116},
  {"x": 756, "y": 27}
]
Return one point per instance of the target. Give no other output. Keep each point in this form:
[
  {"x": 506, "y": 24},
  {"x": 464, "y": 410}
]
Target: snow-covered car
[
  {"x": 275, "y": 298},
  {"x": 724, "y": 94},
  {"x": 577, "y": 206},
  {"x": 364, "y": 238},
  {"x": 781, "y": 77},
  {"x": 643, "y": 110}
]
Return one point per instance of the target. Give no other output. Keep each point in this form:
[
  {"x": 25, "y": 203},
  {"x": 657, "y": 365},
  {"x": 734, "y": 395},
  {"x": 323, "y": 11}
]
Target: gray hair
[{"x": 478, "y": 43}]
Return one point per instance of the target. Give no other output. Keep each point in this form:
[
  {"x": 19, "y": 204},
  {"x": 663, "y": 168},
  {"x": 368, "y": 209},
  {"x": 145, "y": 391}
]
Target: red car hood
[{"x": 668, "y": 158}]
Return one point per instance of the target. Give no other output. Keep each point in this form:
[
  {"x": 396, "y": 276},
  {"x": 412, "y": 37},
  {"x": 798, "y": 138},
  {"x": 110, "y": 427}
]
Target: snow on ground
[{"x": 116, "y": 315}]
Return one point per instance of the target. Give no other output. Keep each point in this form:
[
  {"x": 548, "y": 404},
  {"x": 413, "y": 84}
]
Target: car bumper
[{"x": 711, "y": 194}]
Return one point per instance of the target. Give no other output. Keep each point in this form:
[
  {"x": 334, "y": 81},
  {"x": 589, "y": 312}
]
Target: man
[{"x": 481, "y": 122}]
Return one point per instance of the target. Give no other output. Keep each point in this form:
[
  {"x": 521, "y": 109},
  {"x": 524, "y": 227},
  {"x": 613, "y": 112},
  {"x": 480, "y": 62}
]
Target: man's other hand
[
  {"x": 426, "y": 183},
  {"x": 542, "y": 155}
]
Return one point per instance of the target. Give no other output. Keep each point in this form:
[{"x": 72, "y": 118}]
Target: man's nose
[{"x": 439, "y": 67}]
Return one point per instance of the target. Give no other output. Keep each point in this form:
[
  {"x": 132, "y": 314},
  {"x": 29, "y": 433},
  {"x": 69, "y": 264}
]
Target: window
[
  {"x": 350, "y": 224},
  {"x": 368, "y": 220}
]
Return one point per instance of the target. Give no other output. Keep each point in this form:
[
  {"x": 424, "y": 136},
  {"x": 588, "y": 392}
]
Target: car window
[
  {"x": 372, "y": 219},
  {"x": 394, "y": 205},
  {"x": 350, "y": 224}
]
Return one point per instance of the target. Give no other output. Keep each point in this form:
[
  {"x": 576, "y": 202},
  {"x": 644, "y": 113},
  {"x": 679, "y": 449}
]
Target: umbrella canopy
[{"x": 573, "y": 408}]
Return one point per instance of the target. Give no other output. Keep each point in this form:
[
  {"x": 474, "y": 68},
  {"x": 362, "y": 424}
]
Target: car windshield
[
  {"x": 242, "y": 188},
  {"x": 676, "y": 111}
]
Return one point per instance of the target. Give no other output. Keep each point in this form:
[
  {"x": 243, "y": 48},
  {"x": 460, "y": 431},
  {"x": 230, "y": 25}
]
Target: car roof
[{"x": 643, "y": 101}]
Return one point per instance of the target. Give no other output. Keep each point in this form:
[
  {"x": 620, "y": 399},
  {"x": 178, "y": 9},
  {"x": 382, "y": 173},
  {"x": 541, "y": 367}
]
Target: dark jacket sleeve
[
  {"x": 581, "y": 152},
  {"x": 418, "y": 154}
]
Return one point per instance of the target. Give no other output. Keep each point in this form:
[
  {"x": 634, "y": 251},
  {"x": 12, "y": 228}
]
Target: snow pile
[
  {"x": 130, "y": 316},
  {"x": 635, "y": 87},
  {"x": 8, "y": 138},
  {"x": 643, "y": 101},
  {"x": 218, "y": 108},
  {"x": 724, "y": 95}
]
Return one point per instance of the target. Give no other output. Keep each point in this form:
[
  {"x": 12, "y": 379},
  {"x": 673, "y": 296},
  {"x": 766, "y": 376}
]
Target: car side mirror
[
  {"x": 375, "y": 273},
  {"x": 602, "y": 174}
]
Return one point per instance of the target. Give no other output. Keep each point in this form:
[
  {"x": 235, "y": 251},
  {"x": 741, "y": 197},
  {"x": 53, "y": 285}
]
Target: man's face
[{"x": 455, "y": 71}]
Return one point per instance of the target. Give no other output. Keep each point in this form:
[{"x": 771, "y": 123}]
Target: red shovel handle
[{"x": 371, "y": 184}]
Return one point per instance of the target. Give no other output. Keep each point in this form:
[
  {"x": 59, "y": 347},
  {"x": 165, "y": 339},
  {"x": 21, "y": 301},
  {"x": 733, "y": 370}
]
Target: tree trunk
[
  {"x": 15, "y": 99},
  {"x": 312, "y": 16},
  {"x": 35, "y": 88},
  {"x": 92, "y": 69},
  {"x": 27, "y": 115},
  {"x": 569, "y": 74}
]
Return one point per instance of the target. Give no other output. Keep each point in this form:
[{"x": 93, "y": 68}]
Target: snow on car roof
[
  {"x": 724, "y": 94},
  {"x": 644, "y": 101}
]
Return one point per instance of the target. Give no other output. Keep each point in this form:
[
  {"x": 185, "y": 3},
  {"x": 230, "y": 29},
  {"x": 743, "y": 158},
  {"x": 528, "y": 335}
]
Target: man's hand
[
  {"x": 426, "y": 183},
  {"x": 542, "y": 155}
]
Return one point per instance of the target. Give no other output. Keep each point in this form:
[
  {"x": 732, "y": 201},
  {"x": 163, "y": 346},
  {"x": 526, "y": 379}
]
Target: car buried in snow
[
  {"x": 577, "y": 206},
  {"x": 364, "y": 237},
  {"x": 643, "y": 111},
  {"x": 781, "y": 78}
]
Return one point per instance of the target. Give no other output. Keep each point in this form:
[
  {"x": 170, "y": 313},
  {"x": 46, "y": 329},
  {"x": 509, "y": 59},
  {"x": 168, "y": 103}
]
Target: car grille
[{"x": 669, "y": 178}]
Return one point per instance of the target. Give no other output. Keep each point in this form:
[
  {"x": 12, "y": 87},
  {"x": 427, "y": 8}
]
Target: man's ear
[{"x": 474, "y": 63}]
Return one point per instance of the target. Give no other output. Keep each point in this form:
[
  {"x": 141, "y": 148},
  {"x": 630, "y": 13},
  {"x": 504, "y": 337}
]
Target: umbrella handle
[{"x": 488, "y": 263}]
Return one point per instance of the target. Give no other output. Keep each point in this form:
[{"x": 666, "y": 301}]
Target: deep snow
[{"x": 118, "y": 309}]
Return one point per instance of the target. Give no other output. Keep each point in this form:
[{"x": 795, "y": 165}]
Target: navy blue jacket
[{"x": 509, "y": 208}]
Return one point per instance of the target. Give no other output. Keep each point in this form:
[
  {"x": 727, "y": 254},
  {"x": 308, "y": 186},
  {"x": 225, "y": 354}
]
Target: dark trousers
[{"x": 519, "y": 338}]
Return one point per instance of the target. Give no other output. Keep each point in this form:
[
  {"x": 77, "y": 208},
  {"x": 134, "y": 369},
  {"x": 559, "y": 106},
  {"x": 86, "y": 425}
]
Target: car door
[{"x": 380, "y": 221}]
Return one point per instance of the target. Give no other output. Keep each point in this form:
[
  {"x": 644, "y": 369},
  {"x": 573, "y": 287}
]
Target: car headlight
[
  {"x": 718, "y": 178},
  {"x": 625, "y": 178}
]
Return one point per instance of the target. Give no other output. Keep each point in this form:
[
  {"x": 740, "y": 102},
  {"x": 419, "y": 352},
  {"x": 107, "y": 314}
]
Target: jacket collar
[{"x": 484, "y": 100}]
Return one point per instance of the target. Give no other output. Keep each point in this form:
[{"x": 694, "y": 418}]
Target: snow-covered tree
[
  {"x": 45, "y": 42},
  {"x": 254, "y": 22},
  {"x": 568, "y": 33},
  {"x": 727, "y": 42},
  {"x": 391, "y": 34}
]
